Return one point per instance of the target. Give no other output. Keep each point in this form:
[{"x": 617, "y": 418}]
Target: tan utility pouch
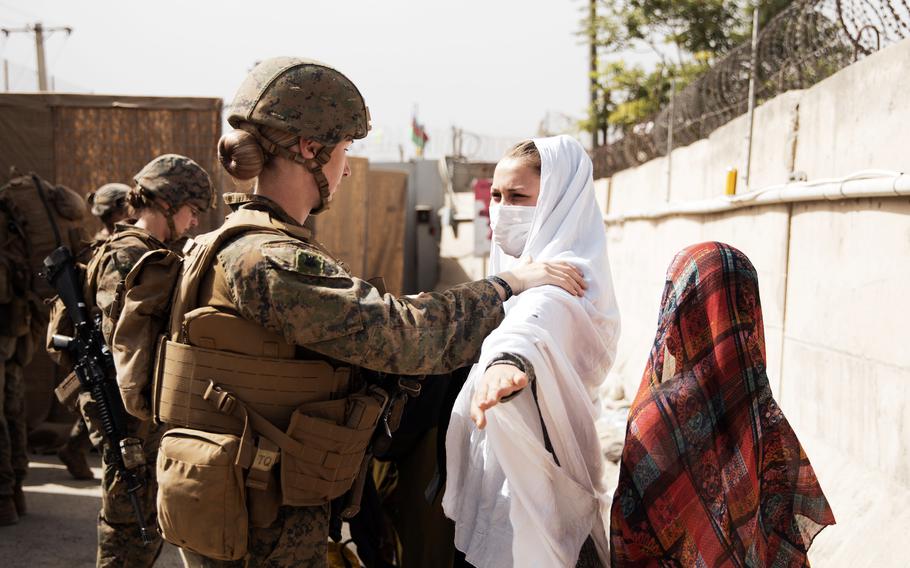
[
  {"x": 201, "y": 493},
  {"x": 333, "y": 438},
  {"x": 320, "y": 454}
]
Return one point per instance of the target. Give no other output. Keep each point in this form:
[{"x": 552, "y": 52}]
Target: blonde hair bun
[{"x": 241, "y": 155}]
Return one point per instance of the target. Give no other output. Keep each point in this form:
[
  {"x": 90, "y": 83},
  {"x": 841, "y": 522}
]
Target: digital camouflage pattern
[
  {"x": 109, "y": 198},
  {"x": 303, "y": 97},
  {"x": 13, "y": 435},
  {"x": 117, "y": 257},
  {"x": 15, "y": 284},
  {"x": 296, "y": 289},
  {"x": 177, "y": 180},
  {"x": 291, "y": 286},
  {"x": 119, "y": 543},
  {"x": 297, "y": 538}
]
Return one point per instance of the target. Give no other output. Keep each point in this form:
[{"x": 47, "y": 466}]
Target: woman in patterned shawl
[{"x": 712, "y": 474}]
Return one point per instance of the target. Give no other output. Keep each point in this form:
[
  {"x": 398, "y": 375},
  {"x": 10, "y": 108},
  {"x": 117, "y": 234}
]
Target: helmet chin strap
[
  {"x": 168, "y": 216},
  {"x": 313, "y": 165}
]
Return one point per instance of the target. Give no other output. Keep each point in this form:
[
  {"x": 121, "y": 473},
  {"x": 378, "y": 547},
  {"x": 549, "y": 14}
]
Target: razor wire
[{"x": 803, "y": 44}]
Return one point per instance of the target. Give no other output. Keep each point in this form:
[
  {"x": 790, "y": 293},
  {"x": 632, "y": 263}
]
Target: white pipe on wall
[{"x": 861, "y": 185}]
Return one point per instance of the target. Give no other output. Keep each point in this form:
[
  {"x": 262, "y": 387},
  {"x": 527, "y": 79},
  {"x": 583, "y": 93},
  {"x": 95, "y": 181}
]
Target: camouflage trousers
[
  {"x": 13, "y": 435},
  {"x": 298, "y": 537},
  {"x": 119, "y": 543}
]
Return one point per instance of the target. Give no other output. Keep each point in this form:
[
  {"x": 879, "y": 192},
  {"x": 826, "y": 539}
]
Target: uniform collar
[
  {"x": 258, "y": 202},
  {"x": 252, "y": 202},
  {"x": 121, "y": 227}
]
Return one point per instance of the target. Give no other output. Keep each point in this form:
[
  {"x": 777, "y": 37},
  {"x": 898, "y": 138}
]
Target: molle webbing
[
  {"x": 92, "y": 270},
  {"x": 273, "y": 387},
  {"x": 319, "y": 460},
  {"x": 199, "y": 260}
]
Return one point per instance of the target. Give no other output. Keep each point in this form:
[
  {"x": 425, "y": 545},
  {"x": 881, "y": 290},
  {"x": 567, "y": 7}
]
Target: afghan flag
[{"x": 418, "y": 136}]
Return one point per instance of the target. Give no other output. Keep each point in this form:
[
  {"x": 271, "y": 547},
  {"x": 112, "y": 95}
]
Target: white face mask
[{"x": 511, "y": 225}]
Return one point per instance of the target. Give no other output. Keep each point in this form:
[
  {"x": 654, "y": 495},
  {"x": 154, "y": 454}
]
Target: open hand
[{"x": 497, "y": 382}]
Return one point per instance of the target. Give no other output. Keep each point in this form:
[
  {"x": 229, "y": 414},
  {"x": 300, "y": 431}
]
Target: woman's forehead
[{"x": 511, "y": 173}]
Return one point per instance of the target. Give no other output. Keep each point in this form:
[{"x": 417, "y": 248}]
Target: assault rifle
[{"x": 94, "y": 367}]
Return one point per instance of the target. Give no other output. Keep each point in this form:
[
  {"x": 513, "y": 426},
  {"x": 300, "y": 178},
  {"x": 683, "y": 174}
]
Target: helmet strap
[
  {"x": 313, "y": 165},
  {"x": 169, "y": 217},
  {"x": 168, "y": 214}
]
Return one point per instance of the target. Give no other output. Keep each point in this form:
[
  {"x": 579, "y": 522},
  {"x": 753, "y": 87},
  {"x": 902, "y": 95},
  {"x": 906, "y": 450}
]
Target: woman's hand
[
  {"x": 497, "y": 382},
  {"x": 555, "y": 272}
]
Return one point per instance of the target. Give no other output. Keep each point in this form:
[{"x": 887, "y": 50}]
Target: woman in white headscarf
[{"x": 524, "y": 462}]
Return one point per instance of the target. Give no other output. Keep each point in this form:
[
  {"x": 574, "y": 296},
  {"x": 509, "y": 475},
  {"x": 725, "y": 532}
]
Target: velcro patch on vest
[
  {"x": 310, "y": 262},
  {"x": 301, "y": 259}
]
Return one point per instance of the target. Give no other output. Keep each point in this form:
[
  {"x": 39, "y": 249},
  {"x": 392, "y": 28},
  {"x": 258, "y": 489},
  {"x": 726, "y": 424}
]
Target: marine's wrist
[{"x": 503, "y": 288}]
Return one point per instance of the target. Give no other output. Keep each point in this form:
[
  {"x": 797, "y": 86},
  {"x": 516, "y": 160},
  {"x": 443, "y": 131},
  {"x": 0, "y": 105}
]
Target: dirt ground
[{"x": 59, "y": 528}]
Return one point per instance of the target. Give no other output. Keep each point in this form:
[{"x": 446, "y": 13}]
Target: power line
[
  {"x": 27, "y": 14},
  {"x": 39, "y": 30}
]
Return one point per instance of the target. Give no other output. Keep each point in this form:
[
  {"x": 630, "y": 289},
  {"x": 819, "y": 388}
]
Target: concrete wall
[
  {"x": 857, "y": 118},
  {"x": 640, "y": 252},
  {"x": 833, "y": 278}
]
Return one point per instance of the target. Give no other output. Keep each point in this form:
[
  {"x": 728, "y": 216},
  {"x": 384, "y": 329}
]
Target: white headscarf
[{"x": 512, "y": 505}]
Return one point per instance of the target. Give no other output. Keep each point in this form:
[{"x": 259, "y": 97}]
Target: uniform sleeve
[
  {"x": 111, "y": 273},
  {"x": 293, "y": 289}
]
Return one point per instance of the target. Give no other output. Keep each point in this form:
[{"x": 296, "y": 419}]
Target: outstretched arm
[{"x": 504, "y": 378}]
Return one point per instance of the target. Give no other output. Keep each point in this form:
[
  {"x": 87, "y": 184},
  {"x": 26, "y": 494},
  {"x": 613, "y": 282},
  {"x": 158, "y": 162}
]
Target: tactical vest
[
  {"x": 93, "y": 268},
  {"x": 220, "y": 373},
  {"x": 59, "y": 322}
]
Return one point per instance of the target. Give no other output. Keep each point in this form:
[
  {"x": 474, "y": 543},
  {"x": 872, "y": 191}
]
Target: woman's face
[
  {"x": 515, "y": 183},
  {"x": 337, "y": 166},
  {"x": 186, "y": 218}
]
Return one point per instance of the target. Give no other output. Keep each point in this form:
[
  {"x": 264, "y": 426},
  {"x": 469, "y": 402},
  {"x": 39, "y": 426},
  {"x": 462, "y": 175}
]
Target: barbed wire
[{"x": 805, "y": 43}]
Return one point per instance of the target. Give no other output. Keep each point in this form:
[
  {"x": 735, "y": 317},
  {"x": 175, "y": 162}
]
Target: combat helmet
[
  {"x": 176, "y": 180},
  {"x": 306, "y": 98},
  {"x": 108, "y": 198}
]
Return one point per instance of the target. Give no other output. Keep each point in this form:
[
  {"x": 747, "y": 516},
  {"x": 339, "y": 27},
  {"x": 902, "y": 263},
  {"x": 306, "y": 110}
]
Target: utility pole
[
  {"x": 592, "y": 37},
  {"x": 753, "y": 69},
  {"x": 39, "y": 30},
  {"x": 39, "y": 52}
]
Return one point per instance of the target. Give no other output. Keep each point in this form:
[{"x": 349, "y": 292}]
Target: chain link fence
[{"x": 805, "y": 43}]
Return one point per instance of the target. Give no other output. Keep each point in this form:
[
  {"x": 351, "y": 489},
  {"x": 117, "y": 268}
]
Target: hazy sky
[{"x": 493, "y": 67}]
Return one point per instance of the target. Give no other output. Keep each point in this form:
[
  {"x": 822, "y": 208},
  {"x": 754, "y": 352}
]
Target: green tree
[{"x": 685, "y": 37}]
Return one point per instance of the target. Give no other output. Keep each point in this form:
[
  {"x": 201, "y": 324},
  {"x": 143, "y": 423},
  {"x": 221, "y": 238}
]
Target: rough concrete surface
[{"x": 59, "y": 529}]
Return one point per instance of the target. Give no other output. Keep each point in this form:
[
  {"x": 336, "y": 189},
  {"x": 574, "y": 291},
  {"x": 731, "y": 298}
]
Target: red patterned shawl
[{"x": 712, "y": 474}]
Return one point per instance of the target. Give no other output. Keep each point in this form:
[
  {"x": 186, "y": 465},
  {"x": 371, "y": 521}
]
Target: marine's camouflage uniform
[
  {"x": 13, "y": 435},
  {"x": 119, "y": 543},
  {"x": 16, "y": 346},
  {"x": 295, "y": 288}
]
